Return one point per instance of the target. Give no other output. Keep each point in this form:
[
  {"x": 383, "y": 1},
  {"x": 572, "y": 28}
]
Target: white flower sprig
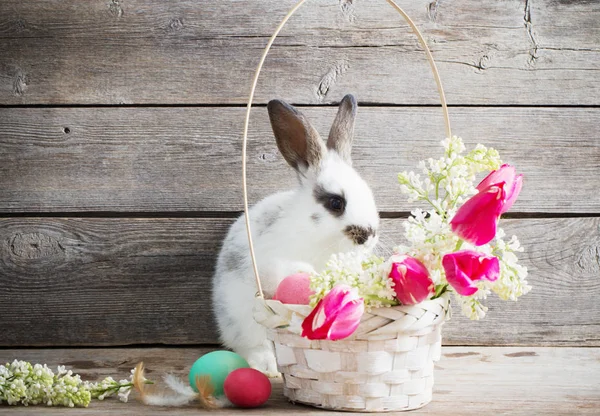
[
  {"x": 449, "y": 182},
  {"x": 27, "y": 384},
  {"x": 109, "y": 387},
  {"x": 369, "y": 274}
]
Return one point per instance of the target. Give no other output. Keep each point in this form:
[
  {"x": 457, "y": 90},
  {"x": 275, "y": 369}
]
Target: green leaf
[{"x": 439, "y": 291}]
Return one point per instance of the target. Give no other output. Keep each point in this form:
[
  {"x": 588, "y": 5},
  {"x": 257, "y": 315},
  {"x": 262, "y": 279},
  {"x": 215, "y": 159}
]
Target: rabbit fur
[{"x": 331, "y": 211}]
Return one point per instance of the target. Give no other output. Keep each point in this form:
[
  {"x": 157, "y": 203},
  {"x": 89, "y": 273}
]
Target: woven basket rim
[
  {"x": 375, "y": 323},
  {"x": 306, "y": 309}
]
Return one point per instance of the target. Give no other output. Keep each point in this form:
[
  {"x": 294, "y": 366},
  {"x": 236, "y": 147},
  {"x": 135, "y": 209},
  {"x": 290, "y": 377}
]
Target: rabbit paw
[{"x": 262, "y": 359}]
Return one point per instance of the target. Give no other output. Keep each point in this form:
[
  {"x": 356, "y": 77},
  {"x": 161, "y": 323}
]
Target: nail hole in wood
[{"x": 67, "y": 130}]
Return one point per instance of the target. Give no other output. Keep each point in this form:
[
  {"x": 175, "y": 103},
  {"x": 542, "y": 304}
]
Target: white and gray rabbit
[{"x": 331, "y": 211}]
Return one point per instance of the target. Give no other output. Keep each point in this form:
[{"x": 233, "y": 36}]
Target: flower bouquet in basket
[{"x": 369, "y": 337}]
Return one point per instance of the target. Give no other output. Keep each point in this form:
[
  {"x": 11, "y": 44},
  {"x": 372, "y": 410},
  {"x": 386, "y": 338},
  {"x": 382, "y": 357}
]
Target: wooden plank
[
  {"x": 188, "y": 159},
  {"x": 468, "y": 381},
  {"x": 509, "y": 52},
  {"x": 109, "y": 281}
]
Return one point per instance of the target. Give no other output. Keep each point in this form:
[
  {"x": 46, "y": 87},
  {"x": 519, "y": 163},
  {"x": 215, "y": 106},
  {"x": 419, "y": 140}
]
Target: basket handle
[{"x": 436, "y": 76}]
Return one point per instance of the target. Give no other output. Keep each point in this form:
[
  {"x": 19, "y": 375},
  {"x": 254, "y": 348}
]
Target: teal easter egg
[{"x": 217, "y": 365}]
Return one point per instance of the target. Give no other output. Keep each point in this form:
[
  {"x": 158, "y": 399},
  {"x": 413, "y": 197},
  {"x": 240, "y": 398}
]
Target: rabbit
[{"x": 331, "y": 211}]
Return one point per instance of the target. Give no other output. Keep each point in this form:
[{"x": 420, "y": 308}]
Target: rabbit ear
[
  {"x": 297, "y": 140},
  {"x": 342, "y": 130}
]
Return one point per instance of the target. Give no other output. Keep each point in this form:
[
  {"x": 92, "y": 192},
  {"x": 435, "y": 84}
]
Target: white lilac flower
[
  {"x": 471, "y": 306},
  {"x": 26, "y": 384},
  {"x": 366, "y": 273},
  {"x": 511, "y": 283},
  {"x": 124, "y": 391},
  {"x": 450, "y": 182},
  {"x": 109, "y": 387}
]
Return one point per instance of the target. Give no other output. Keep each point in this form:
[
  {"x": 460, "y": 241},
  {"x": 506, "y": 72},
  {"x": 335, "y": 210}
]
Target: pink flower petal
[
  {"x": 489, "y": 268},
  {"x": 477, "y": 219},
  {"x": 457, "y": 278},
  {"x": 513, "y": 183},
  {"x": 506, "y": 173},
  {"x": 412, "y": 283},
  {"x": 307, "y": 325},
  {"x": 465, "y": 267},
  {"x": 510, "y": 199},
  {"x": 336, "y": 316},
  {"x": 347, "y": 320}
]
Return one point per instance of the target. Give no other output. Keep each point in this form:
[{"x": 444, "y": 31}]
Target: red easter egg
[{"x": 247, "y": 387}]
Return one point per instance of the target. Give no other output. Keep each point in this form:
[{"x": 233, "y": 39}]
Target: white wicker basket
[{"x": 386, "y": 365}]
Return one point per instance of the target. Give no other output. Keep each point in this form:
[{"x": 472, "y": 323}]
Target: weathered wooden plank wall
[
  {"x": 139, "y": 51},
  {"x": 114, "y": 281},
  {"x": 165, "y": 159},
  {"x": 111, "y": 214}
]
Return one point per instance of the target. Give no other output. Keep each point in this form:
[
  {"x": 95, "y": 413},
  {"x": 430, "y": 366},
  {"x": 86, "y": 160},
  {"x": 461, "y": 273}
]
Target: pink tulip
[
  {"x": 513, "y": 184},
  {"x": 336, "y": 316},
  {"x": 477, "y": 219},
  {"x": 465, "y": 267},
  {"x": 411, "y": 280}
]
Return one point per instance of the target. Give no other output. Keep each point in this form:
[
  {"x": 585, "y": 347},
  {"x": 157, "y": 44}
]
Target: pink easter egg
[{"x": 294, "y": 289}]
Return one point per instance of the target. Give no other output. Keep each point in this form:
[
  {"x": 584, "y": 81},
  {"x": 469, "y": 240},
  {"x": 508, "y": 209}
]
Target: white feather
[
  {"x": 183, "y": 389},
  {"x": 223, "y": 402},
  {"x": 170, "y": 401},
  {"x": 183, "y": 395},
  {"x": 178, "y": 386}
]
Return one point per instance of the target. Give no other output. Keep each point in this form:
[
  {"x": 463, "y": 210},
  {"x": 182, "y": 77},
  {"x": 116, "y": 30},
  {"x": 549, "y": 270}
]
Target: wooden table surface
[{"x": 469, "y": 381}]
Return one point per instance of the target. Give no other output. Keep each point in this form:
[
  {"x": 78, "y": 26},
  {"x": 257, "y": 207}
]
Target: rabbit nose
[{"x": 359, "y": 235}]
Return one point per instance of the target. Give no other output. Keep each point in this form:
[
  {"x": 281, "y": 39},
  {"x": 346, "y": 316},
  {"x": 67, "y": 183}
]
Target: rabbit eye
[{"x": 336, "y": 204}]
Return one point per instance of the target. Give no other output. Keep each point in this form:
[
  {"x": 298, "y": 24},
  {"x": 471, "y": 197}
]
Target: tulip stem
[{"x": 459, "y": 244}]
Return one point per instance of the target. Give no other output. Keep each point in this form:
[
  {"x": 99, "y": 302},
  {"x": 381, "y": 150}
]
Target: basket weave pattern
[{"x": 386, "y": 365}]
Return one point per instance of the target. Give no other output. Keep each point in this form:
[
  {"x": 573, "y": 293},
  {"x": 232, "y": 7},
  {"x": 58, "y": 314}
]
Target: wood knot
[
  {"x": 484, "y": 62},
  {"x": 19, "y": 83},
  {"x": 115, "y": 8},
  {"x": 175, "y": 25},
  {"x": 589, "y": 258},
  {"x": 268, "y": 157},
  {"x": 432, "y": 10},
  {"x": 330, "y": 78},
  {"x": 347, "y": 8},
  {"x": 35, "y": 246},
  {"x": 19, "y": 26}
]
